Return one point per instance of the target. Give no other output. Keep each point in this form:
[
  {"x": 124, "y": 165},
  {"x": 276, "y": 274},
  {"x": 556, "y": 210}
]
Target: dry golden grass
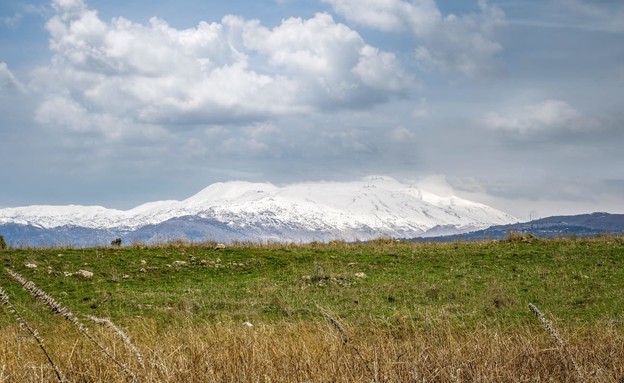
[{"x": 315, "y": 352}]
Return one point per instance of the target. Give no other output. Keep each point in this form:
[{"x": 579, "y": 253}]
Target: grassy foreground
[{"x": 377, "y": 312}]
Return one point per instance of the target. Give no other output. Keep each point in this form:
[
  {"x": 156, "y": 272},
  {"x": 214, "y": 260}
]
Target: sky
[{"x": 518, "y": 104}]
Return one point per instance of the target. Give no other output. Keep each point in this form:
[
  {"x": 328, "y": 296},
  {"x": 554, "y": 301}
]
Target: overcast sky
[{"x": 518, "y": 104}]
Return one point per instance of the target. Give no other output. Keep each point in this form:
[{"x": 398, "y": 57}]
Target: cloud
[
  {"x": 604, "y": 16},
  {"x": 421, "y": 109},
  {"x": 137, "y": 77},
  {"x": 11, "y": 21},
  {"x": 8, "y": 82},
  {"x": 539, "y": 197},
  {"x": 401, "y": 134},
  {"x": 327, "y": 63},
  {"x": 390, "y": 15},
  {"x": 548, "y": 115},
  {"x": 75, "y": 118},
  {"x": 437, "y": 184},
  {"x": 464, "y": 44},
  {"x": 253, "y": 140}
]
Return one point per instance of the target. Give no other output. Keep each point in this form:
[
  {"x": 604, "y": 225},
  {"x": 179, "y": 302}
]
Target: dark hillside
[{"x": 583, "y": 225}]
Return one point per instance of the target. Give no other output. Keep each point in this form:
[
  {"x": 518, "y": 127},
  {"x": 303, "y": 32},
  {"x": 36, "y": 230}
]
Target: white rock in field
[
  {"x": 31, "y": 265},
  {"x": 84, "y": 273},
  {"x": 360, "y": 275},
  {"x": 179, "y": 263},
  {"x": 247, "y": 324},
  {"x": 219, "y": 246}
]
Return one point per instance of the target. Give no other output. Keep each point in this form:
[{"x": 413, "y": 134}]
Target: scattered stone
[
  {"x": 360, "y": 275},
  {"x": 126, "y": 276},
  {"x": 143, "y": 270},
  {"x": 247, "y": 324},
  {"x": 84, "y": 273},
  {"x": 179, "y": 263},
  {"x": 143, "y": 262},
  {"x": 67, "y": 274},
  {"x": 31, "y": 265},
  {"x": 219, "y": 246}
]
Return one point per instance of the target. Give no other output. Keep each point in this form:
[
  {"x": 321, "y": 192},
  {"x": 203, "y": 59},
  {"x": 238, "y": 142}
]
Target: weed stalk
[
  {"x": 550, "y": 329},
  {"x": 4, "y": 301},
  {"x": 59, "y": 309}
]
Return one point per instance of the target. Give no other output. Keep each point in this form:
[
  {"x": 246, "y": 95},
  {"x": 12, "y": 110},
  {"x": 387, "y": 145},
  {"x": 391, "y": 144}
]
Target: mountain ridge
[{"x": 237, "y": 210}]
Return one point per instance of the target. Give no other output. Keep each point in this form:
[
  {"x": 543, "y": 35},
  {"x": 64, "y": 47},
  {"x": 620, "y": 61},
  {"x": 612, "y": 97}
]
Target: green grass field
[
  {"x": 575, "y": 280},
  {"x": 384, "y": 288}
]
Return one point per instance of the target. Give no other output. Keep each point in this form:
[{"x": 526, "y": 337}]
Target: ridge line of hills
[
  {"x": 580, "y": 225},
  {"x": 373, "y": 207}
]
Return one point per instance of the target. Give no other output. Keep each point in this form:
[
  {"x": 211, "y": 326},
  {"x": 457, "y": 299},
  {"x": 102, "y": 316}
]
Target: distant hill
[{"x": 583, "y": 225}]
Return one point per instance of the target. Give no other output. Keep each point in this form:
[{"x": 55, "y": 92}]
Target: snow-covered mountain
[{"x": 369, "y": 208}]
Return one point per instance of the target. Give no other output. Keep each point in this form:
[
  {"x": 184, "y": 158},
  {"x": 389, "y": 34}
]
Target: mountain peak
[
  {"x": 238, "y": 210},
  {"x": 230, "y": 191}
]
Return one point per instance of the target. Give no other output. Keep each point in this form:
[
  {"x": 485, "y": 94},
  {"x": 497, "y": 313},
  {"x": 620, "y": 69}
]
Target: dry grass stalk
[
  {"x": 4, "y": 301},
  {"x": 550, "y": 329},
  {"x": 335, "y": 324},
  {"x": 547, "y": 325},
  {"x": 107, "y": 323},
  {"x": 304, "y": 352},
  {"x": 59, "y": 309},
  {"x": 43, "y": 297}
]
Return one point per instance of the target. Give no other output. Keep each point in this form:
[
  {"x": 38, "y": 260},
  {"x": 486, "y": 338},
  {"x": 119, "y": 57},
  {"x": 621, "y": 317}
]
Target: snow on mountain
[{"x": 370, "y": 207}]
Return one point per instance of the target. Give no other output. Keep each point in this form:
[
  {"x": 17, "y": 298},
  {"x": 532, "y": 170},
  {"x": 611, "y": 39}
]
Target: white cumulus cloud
[
  {"x": 236, "y": 71},
  {"x": 453, "y": 43}
]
